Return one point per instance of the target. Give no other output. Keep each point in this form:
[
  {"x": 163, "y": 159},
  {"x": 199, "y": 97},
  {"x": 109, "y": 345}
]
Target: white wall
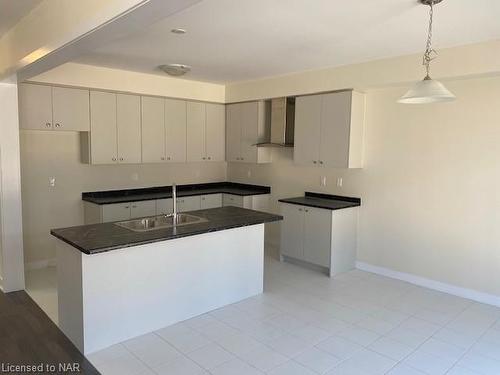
[
  {"x": 429, "y": 187},
  {"x": 49, "y": 153},
  {"x": 10, "y": 199},
  {"x": 80, "y": 75}
]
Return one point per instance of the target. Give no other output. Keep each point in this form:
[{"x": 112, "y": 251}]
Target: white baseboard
[
  {"x": 39, "y": 264},
  {"x": 471, "y": 294}
]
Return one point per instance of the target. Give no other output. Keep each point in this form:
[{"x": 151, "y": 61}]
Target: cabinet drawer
[
  {"x": 115, "y": 212},
  {"x": 164, "y": 206},
  {"x": 142, "y": 209},
  {"x": 211, "y": 201},
  {"x": 232, "y": 200}
]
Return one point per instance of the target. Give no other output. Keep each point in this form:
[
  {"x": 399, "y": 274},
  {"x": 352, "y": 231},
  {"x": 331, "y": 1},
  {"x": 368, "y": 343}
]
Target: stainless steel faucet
[{"x": 174, "y": 198}]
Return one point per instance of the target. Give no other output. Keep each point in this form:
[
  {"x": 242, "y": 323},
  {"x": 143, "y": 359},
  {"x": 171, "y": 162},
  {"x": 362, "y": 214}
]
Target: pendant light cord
[{"x": 430, "y": 53}]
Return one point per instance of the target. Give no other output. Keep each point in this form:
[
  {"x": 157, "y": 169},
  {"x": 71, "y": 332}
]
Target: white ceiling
[
  {"x": 11, "y": 11},
  {"x": 236, "y": 40}
]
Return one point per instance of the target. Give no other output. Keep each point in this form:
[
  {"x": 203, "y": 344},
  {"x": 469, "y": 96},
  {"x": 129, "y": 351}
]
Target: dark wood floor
[{"x": 28, "y": 336}]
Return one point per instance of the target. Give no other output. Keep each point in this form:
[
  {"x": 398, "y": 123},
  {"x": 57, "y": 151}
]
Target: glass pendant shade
[{"x": 427, "y": 91}]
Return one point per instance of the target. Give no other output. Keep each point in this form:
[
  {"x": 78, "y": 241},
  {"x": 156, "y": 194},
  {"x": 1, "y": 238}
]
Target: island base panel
[{"x": 110, "y": 297}]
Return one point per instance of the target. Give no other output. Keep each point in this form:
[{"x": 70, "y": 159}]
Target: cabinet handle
[
  {"x": 168, "y": 158},
  {"x": 202, "y": 198},
  {"x": 163, "y": 158},
  {"x": 321, "y": 161},
  {"x": 300, "y": 209},
  {"x": 134, "y": 206},
  {"x": 306, "y": 210},
  {"x": 58, "y": 125},
  {"x": 314, "y": 161},
  {"x": 127, "y": 206},
  {"x": 121, "y": 159},
  {"x": 113, "y": 158},
  {"x": 48, "y": 125},
  {"x": 209, "y": 158},
  {"x": 203, "y": 158}
]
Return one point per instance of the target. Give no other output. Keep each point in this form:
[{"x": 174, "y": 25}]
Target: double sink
[{"x": 160, "y": 222}]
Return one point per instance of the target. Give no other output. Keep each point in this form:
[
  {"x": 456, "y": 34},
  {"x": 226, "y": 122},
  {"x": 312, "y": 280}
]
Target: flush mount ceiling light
[
  {"x": 178, "y": 31},
  {"x": 428, "y": 90},
  {"x": 175, "y": 70}
]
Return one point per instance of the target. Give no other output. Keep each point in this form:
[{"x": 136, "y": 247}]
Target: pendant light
[{"x": 428, "y": 90}]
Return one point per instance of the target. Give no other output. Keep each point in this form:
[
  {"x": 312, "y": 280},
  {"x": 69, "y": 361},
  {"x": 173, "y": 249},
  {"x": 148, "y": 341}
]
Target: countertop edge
[
  {"x": 319, "y": 205},
  {"x": 274, "y": 218}
]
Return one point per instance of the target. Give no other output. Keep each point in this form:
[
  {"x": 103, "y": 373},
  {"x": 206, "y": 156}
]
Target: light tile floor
[{"x": 307, "y": 324}]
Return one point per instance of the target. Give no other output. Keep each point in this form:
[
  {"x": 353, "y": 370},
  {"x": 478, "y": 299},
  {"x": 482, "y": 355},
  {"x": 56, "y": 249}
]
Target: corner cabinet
[
  {"x": 53, "y": 108},
  {"x": 115, "y": 129},
  {"x": 206, "y": 129},
  {"x": 245, "y": 126},
  {"x": 320, "y": 237},
  {"x": 329, "y": 129}
]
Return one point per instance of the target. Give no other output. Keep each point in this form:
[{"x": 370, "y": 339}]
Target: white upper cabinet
[
  {"x": 103, "y": 142},
  {"x": 153, "y": 129},
  {"x": 70, "y": 109},
  {"x": 115, "y": 133},
  {"x": 128, "y": 123},
  {"x": 329, "y": 129},
  {"x": 53, "y": 108},
  {"x": 215, "y": 132},
  {"x": 175, "y": 130},
  {"x": 196, "y": 118},
  {"x": 206, "y": 129},
  {"x": 245, "y": 124}
]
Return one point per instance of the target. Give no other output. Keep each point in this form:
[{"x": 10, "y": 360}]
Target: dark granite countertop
[
  {"x": 327, "y": 201},
  {"x": 98, "y": 238},
  {"x": 161, "y": 192}
]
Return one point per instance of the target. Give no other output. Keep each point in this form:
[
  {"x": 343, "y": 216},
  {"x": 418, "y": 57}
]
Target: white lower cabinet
[
  {"x": 188, "y": 203},
  {"x": 115, "y": 212},
  {"x": 320, "y": 236},
  {"x": 142, "y": 209},
  {"x": 164, "y": 206},
  {"x": 252, "y": 202},
  {"x": 232, "y": 200},
  {"x": 211, "y": 201}
]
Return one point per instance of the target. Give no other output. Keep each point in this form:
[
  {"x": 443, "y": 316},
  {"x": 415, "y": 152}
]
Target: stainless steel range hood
[{"x": 282, "y": 123}]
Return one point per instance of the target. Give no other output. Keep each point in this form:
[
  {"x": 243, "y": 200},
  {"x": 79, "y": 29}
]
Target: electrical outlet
[
  {"x": 339, "y": 182},
  {"x": 52, "y": 181},
  {"x": 323, "y": 181}
]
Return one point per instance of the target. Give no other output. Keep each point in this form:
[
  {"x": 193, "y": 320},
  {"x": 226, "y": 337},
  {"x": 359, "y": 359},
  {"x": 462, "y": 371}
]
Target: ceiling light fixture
[
  {"x": 175, "y": 70},
  {"x": 428, "y": 90},
  {"x": 178, "y": 31}
]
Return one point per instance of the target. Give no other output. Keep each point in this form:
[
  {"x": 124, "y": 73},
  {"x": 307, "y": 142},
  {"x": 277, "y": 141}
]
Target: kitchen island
[{"x": 115, "y": 283}]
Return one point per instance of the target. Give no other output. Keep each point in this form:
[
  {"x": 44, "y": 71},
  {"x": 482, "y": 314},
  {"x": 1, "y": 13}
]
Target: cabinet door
[
  {"x": 35, "y": 107},
  {"x": 115, "y": 212},
  {"x": 232, "y": 200},
  {"x": 175, "y": 130},
  {"x": 188, "y": 203},
  {"x": 211, "y": 201},
  {"x": 70, "y": 109},
  {"x": 164, "y": 206},
  {"x": 307, "y": 129},
  {"x": 249, "y": 131},
  {"x": 103, "y": 144},
  {"x": 196, "y": 131},
  {"x": 215, "y": 132},
  {"x": 233, "y": 132},
  {"x": 128, "y": 123},
  {"x": 142, "y": 209},
  {"x": 317, "y": 236},
  {"x": 292, "y": 231},
  {"x": 335, "y": 129},
  {"x": 153, "y": 129}
]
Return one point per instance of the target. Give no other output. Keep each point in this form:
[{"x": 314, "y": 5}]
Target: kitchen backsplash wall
[{"x": 46, "y": 154}]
